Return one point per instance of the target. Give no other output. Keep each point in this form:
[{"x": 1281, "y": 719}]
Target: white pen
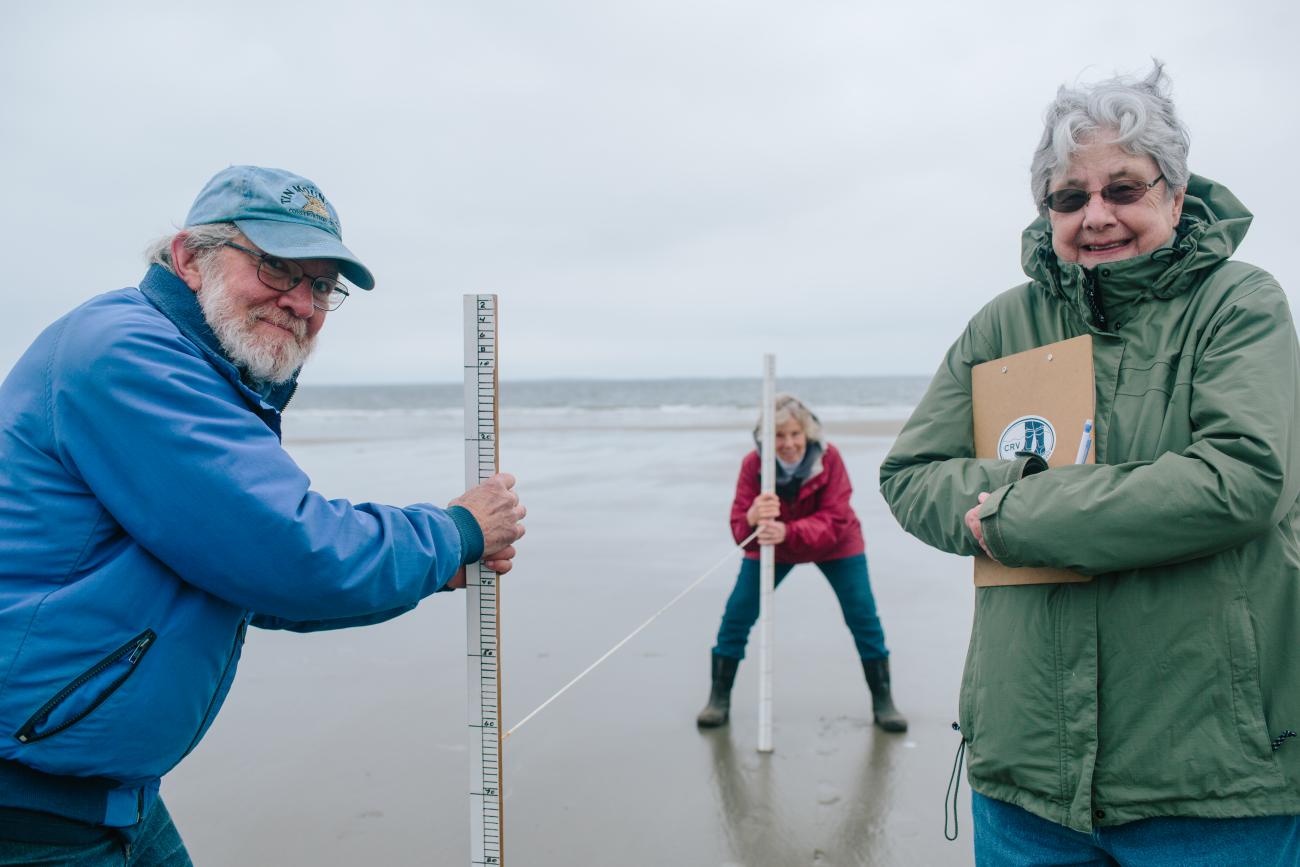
[{"x": 1085, "y": 443}]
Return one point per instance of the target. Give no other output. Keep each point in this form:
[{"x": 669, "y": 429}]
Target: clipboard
[{"x": 1038, "y": 401}]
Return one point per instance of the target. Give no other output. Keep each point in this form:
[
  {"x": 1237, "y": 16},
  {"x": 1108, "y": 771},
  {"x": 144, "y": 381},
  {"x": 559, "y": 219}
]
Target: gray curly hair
[
  {"x": 1138, "y": 112},
  {"x": 203, "y": 240}
]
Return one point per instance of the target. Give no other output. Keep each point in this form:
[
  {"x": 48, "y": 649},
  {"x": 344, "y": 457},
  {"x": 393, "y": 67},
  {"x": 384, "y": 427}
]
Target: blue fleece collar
[{"x": 177, "y": 301}]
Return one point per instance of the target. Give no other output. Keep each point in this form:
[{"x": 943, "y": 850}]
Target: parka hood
[{"x": 1212, "y": 225}]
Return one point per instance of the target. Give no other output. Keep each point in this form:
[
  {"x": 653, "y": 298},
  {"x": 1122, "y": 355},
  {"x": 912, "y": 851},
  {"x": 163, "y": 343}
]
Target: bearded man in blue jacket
[{"x": 148, "y": 515}]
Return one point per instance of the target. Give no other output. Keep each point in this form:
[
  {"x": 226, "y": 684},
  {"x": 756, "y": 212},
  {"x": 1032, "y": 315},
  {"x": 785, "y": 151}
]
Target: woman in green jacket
[{"x": 1148, "y": 715}]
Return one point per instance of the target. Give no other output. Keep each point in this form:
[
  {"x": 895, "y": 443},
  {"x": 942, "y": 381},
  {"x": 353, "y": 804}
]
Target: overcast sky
[{"x": 662, "y": 188}]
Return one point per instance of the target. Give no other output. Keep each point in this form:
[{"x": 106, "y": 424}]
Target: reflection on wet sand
[{"x": 760, "y": 814}]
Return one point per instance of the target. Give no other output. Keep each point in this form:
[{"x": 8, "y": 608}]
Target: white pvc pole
[{"x": 766, "y": 562}]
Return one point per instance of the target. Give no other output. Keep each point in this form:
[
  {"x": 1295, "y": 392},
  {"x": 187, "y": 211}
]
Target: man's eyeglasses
[
  {"x": 1122, "y": 192},
  {"x": 282, "y": 275}
]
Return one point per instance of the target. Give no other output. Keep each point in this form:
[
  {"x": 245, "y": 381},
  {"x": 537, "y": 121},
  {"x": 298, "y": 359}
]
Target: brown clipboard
[{"x": 1037, "y": 400}]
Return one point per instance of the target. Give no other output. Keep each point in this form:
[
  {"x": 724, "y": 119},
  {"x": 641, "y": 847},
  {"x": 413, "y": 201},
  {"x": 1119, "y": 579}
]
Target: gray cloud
[{"x": 656, "y": 189}]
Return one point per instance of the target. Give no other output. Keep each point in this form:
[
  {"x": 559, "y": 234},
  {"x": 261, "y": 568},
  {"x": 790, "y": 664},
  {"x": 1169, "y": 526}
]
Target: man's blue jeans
[
  {"x": 154, "y": 842},
  {"x": 1007, "y": 836},
  {"x": 848, "y": 578}
]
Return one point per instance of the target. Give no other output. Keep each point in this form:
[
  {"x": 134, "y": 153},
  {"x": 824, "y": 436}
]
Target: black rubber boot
[
  {"x": 718, "y": 710},
  {"x": 882, "y": 703}
]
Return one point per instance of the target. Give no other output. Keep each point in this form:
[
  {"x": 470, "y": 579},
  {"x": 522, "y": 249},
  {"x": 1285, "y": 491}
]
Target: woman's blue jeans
[
  {"x": 1008, "y": 836},
  {"x": 154, "y": 842},
  {"x": 848, "y": 578}
]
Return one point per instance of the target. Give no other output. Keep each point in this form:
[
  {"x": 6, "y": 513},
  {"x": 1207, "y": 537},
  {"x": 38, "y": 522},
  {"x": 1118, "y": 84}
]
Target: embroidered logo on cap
[
  {"x": 1029, "y": 433},
  {"x": 309, "y": 200}
]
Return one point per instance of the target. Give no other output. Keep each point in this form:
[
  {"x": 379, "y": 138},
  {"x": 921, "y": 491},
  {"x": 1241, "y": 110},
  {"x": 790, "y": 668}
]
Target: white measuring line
[
  {"x": 634, "y": 632},
  {"x": 482, "y": 606},
  {"x": 766, "y": 562}
]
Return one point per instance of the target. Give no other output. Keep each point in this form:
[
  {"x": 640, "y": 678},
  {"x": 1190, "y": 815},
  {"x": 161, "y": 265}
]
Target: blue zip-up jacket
[{"x": 148, "y": 514}]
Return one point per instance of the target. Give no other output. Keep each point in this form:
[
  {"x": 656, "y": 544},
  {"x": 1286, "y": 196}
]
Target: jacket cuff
[
  {"x": 471, "y": 536},
  {"x": 1025, "y": 464},
  {"x": 1008, "y": 472},
  {"x": 1029, "y": 463}
]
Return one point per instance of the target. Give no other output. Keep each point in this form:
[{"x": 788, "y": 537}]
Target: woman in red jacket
[{"x": 809, "y": 520}]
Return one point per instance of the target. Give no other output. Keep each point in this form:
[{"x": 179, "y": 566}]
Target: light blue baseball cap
[{"x": 284, "y": 214}]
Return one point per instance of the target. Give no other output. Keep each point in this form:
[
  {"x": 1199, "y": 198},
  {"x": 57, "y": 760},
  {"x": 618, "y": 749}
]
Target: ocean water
[{"x": 401, "y": 411}]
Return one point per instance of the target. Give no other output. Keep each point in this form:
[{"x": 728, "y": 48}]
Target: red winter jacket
[{"x": 820, "y": 523}]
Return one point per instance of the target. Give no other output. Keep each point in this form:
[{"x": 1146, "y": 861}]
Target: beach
[{"x": 349, "y": 747}]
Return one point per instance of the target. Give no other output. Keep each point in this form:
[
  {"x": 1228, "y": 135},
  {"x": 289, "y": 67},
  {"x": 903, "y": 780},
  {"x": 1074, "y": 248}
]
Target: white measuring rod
[
  {"x": 766, "y": 561},
  {"x": 482, "y": 625}
]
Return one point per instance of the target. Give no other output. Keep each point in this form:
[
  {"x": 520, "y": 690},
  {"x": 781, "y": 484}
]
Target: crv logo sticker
[{"x": 1029, "y": 433}]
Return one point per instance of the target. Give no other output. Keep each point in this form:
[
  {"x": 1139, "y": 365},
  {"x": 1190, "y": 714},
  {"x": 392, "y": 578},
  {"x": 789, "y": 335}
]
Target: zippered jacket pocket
[{"x": 88, "y": 691}]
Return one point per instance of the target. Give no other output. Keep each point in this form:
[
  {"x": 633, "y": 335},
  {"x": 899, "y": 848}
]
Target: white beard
[{"x": 267, "y": 357}]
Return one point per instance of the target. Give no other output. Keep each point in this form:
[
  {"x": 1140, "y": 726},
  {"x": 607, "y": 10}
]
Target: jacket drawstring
[
  {"x": 954, "y": 784},
  {"x": 1277, "y": 741}
]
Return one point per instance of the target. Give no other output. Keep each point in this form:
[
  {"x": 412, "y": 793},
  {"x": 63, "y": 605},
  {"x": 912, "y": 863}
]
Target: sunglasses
[{"x": 1121, "y": 192}]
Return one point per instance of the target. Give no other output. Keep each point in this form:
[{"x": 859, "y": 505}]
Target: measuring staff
[{"x": 482, "y": 603}]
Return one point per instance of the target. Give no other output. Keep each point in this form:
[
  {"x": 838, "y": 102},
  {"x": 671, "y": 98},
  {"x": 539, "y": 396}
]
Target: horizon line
[{"x": 529, "y": 379}]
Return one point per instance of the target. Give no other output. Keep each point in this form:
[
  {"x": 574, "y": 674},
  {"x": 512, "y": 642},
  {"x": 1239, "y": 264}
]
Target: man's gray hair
[
  {"x": 787, "y": 407},
  {"x": 203, "y": 241},
  {"x": 1138, "y": 112}
]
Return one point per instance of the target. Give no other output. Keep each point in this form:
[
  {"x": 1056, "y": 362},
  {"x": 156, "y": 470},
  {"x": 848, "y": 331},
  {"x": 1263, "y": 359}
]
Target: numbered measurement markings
[{"x": 482, "y": 632}]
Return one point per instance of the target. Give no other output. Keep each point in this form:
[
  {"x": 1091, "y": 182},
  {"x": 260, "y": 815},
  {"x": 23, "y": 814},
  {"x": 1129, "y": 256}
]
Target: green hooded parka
[{"x": 1169, "y": 685}]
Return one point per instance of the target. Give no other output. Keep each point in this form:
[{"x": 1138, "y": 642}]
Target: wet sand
[{"x": 349, "y": 748}]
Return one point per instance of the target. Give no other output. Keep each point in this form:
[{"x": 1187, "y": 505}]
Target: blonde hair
[{"x": 786, "y": 407}]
